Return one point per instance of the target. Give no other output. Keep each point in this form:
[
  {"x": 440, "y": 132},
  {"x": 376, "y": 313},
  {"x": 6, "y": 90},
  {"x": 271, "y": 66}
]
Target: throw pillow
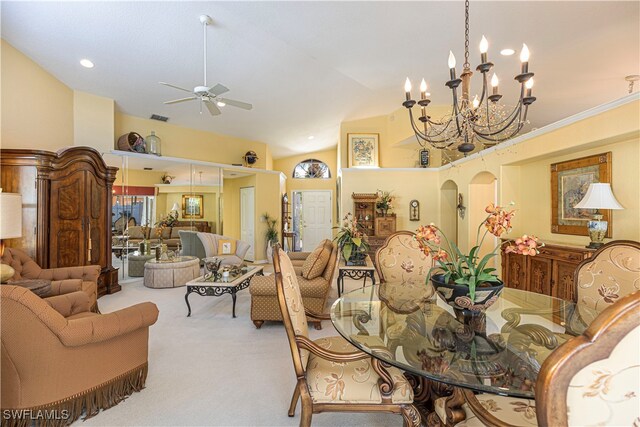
[
  {"x": 226, "y": 247},
  {"x": 316, "y": 262}
]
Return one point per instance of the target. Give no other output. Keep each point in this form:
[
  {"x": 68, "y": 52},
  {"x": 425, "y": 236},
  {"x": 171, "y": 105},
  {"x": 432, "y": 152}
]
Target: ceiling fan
[{"x": 209, "y": 96}]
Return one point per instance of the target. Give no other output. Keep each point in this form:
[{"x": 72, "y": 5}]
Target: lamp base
[
  {"x": 595, "y": 245},
  {"x": 597, "y": 230}
]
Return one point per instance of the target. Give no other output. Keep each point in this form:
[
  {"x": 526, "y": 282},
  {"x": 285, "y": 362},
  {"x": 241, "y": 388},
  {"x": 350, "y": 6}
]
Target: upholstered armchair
[
  {"x": 315, "y": 272},
  {"x": 59, "y": 356},
  {"x": 591, "y": 380},
  {"x": 611, "y": 273},
  {"x": 63, "y": 280},
  {"x": 334, "y": 376},
  {"x": 400, "y": 260}
]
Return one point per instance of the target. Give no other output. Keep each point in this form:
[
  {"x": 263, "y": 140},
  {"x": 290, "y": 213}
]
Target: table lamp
[
  {"x": 599, "y": 196},
  {"x": 175, "y": 207},
  {"x": 10, "y": 226}
]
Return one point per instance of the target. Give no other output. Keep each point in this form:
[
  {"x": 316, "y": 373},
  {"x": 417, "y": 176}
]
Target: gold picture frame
[
  {"x": 569, "y": 183},
  {"x": 363, "y": 149},
  {"x": 192, "y": 206}
]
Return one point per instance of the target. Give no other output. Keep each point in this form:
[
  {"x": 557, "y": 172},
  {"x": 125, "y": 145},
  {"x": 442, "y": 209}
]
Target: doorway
[
  {"x": 312, "y": 219},
  {"x": 247, "y": 219},
  {"x": 449, "y": 211},
  {"x": 483, "y": 190}
]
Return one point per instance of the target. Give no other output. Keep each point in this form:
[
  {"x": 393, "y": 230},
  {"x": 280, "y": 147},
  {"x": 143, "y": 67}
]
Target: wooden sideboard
[
  {"x": 66, "y": 199},
  {"x": 549, "y": 273}
]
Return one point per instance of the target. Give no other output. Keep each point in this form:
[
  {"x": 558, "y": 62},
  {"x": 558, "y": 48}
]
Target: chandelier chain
[{"x": 466, "y": 34}]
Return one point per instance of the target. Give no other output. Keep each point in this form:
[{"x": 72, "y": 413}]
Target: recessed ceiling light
[
  {"x": 311, "y": 137},
  {"x": 86, "y": 63},
  {"x": 507, "y": 52},
  {"x": 221, "y": 104}
]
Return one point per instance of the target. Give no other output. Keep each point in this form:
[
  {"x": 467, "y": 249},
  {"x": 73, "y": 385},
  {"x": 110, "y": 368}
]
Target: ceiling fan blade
[
  {"x": 175, "y": 101},
  {"x": 239, "y": 104},
  {"x": 213, "y": 108},
  {"x": 176, "y": 87},
  {"x": 218, "y": 90}
]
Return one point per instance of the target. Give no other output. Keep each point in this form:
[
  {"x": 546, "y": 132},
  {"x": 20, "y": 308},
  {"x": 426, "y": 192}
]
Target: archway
[
  {"x": 483, "y": 190},
  {"x": 448, "y": 212}
]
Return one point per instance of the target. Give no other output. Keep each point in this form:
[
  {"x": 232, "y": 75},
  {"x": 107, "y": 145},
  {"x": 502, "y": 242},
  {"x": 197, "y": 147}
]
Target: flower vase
[{"x": 458, "y": 295}]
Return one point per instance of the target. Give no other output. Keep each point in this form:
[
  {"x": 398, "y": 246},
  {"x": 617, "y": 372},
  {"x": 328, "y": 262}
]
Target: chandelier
[{"x": 479, "y": 120}]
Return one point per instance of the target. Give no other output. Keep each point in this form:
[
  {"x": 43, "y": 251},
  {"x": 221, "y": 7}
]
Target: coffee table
[{"x": 216, "y": 289}]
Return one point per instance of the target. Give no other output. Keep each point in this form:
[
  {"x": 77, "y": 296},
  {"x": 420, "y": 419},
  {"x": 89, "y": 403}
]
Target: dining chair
[
  {"x": 611, "y": 273},
  {"x": 332, "y": 375},
  {"x": 596, "y": 373},
  {"x": 400, "y": 260}
]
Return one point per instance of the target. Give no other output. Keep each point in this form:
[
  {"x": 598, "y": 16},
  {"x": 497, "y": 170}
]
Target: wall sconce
[{"x": 461, "y": 207}]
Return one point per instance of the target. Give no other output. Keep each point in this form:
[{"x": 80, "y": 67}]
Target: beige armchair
[
  {"x": 400, "y": 260},
  {"x": 63, "y": 280},
  {"x": 334, "y": 376},
  {"x": 611, "y": 273},
  {"x": 58, "y": 356},
  {"x": 264, "y": 297}
]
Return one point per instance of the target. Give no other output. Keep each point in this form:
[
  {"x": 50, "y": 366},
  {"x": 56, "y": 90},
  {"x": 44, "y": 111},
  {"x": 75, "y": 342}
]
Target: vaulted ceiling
[{"x": 308, "y": 66}]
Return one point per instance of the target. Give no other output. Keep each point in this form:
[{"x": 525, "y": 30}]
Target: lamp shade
[
  {"x": 10, "y": 215},
  {"x": 599, "y": 196},
  {"x": 175, "y": 207}
]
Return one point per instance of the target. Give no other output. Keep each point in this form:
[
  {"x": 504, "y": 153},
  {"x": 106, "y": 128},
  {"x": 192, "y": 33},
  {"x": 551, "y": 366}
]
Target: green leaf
[
  {"x": 357, "y": 241},
  {"x": 346, "y": 251}
]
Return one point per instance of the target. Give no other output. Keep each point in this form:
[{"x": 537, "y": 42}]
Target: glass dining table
[{"x": 499, "y": 351}]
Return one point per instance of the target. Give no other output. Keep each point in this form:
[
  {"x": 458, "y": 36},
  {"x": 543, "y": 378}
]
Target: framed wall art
[
  {"x": 363, "y": 149},
  {"x": 192, "y": 206},
  {"x": 569, "y": 183}
]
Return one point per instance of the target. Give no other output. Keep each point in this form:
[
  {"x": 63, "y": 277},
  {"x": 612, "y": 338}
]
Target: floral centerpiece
[
  {"x": 351, "y": 238},
  {"x": 270, "y": 234},
  {"x": 462, "y": 277},
  {"x": 385, "y": 201}
]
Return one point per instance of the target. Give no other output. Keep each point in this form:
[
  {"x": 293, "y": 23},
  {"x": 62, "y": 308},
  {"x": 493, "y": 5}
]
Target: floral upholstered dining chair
[
  {"x": 334, "y": 376},
  {"x": 401, "y": 260},
  {"x": 611, "y": 273}
]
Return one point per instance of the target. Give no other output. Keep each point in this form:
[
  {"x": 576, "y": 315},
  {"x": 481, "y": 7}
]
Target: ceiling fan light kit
[
  {"x": 478, "y": 120},
  {"x": 209, "y": 96}
]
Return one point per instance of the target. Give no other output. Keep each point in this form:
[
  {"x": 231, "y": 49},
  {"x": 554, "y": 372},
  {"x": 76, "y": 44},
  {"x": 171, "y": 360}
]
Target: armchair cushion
[
  {"x": 350, "y": 382},
  {"x": 317, "y": 261},
  {"x": 510, "y": 410},
  {"x": 226, "y": 246},
  {"x": 70, "y": 304},
  {"x": 175, "y": 231}
]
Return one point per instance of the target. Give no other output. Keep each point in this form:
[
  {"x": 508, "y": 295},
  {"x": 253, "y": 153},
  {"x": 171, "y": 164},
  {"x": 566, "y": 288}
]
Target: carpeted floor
[{"x": 211, "y": 369}]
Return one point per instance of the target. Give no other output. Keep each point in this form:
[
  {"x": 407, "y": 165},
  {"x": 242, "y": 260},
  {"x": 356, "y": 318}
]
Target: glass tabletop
[{"x": 499, "y": 351}]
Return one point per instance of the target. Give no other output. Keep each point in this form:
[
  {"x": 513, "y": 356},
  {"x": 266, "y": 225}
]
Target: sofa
[
  {"x": 170, "y": 235},
  {"x": 63, "y": 280},
  {"x": 264, "y": 296},
  {"x": 58, "y": 356},
  {"x": 192, "y": 246}
]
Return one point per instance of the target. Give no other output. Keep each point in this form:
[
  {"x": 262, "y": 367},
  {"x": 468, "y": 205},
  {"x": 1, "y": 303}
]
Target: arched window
[{"x": 311, "y": 168}]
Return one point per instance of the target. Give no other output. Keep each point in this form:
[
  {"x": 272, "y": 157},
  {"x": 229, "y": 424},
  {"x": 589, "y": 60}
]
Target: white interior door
[
  {"x": 247, "y": 219},
  {"x": 316, "y": 218}
]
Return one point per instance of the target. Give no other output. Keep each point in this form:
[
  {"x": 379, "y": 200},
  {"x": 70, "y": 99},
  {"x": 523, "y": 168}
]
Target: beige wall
[
  {"x": 178, "y": 141},
  {"x": 139, "y": 178},
  {"x": 170, "y": 194},
  {"x": 287, "y": 165},
  {"x": 37, "y": 108},
  {"x": 93, "y": 121}
]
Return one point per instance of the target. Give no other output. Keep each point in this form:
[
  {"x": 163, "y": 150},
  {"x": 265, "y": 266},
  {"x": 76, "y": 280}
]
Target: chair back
[
  {"x": 24, "y": 266},
  {"x": 400, "y": 260},
  {"x": 594, "y": 379},
  {"x": 330, "y": 269},
  {"x": 611, "y": 273},
  {"x": 291, "y": 307}
]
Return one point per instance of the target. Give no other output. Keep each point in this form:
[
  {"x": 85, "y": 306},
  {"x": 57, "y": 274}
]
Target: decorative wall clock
[{"x": 414, "y": 210}]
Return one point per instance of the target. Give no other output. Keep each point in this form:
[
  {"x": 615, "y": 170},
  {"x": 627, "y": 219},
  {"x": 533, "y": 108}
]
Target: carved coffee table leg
[{"x": 186, "y": 298}]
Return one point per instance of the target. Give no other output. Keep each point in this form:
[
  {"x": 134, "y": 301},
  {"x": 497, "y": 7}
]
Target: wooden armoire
[{"x": 66, "y": 198}]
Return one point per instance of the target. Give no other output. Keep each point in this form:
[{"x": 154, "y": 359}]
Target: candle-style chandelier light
[{"x": 478, "y": 120}]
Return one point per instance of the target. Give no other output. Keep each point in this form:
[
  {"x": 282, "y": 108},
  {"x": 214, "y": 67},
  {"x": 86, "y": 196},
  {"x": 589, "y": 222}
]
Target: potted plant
[
  {"x": 270, "y": 234},
  {"x": 465, "y": 280},
  {"x": 351, "y": 240},
  {"x": 384, "y": 202},
  {"x": 166, "y": 178}
]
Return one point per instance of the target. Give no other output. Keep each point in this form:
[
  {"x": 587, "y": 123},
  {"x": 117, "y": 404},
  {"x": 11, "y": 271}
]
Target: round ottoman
[
  {"x": 171, "y": 274},
  {"x": 136, "y": 264}
]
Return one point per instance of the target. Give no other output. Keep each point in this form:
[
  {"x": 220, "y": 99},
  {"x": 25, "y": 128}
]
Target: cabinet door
[
  {"x": 67, "y": 240},
  {"x": 97, "y": 220},
  {"x": 515, "y": 268},
  {"x": 563, "y": 280},
  {"x": 540, "y": 270}
]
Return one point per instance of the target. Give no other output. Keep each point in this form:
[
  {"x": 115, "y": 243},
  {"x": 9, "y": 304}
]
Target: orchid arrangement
[
  {"x": 385, "y": 200},
  {"x": 471, "y": 270},
  {"x": 350, "y": 235}
]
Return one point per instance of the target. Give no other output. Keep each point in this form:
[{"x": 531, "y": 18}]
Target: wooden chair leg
[
  {"x": 294, "y": 401},
  {"x": 411, "y": 416},
  {"x": 306, "y": 406},
  {"x": 317, "y": 325},
  {"x": 258, "y": 323}
]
